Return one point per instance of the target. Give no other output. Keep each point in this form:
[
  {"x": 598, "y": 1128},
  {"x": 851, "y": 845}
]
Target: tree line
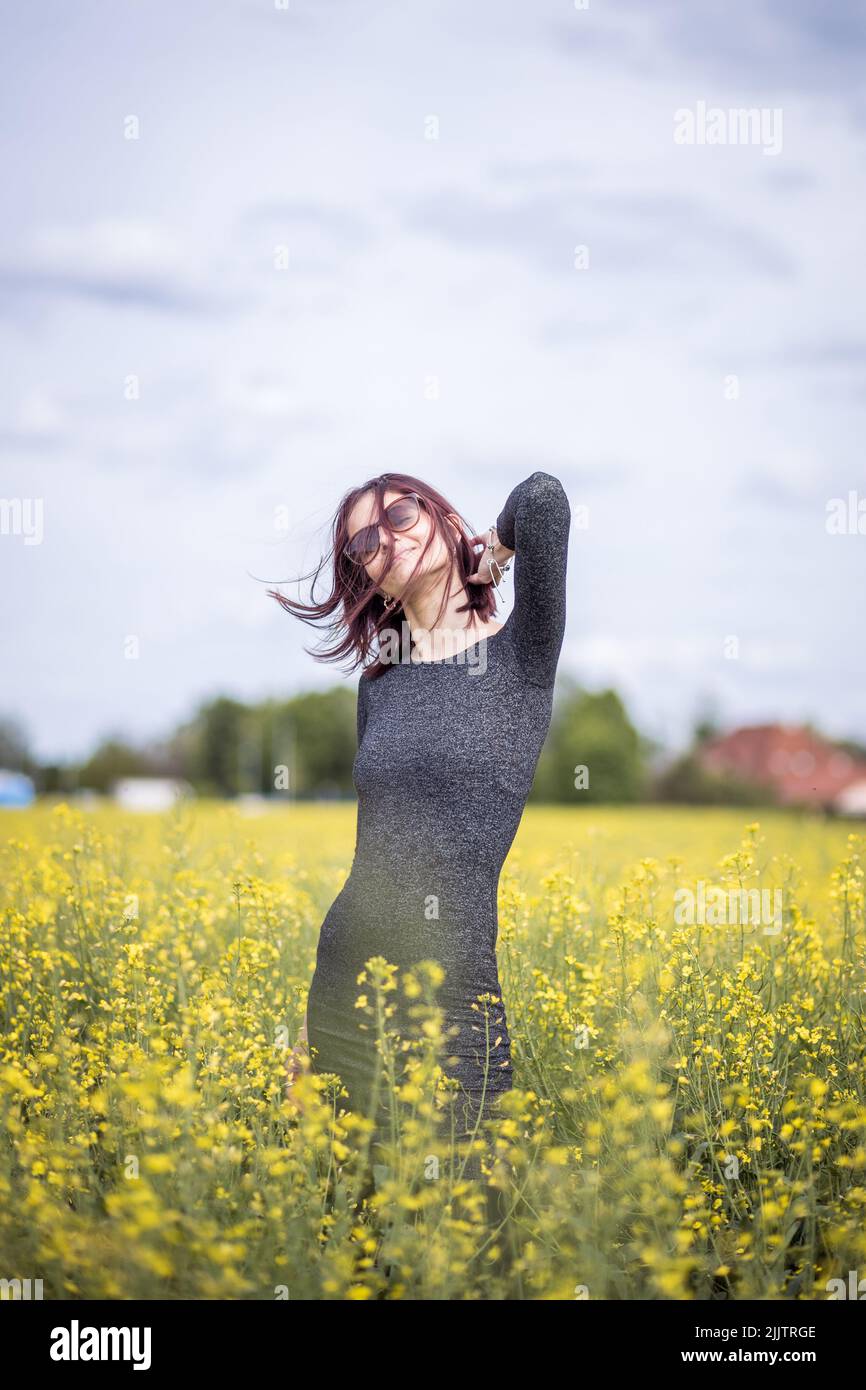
[{"x": 304, "y": 747}]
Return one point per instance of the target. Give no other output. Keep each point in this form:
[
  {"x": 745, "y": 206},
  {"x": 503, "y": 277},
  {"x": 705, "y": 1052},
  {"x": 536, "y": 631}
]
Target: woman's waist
[
  {"x": 399, "y": 865},
  {"x": 434, "y": 837}
]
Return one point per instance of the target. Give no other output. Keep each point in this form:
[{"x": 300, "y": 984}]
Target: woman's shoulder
[{"x": 372, "y": 676}]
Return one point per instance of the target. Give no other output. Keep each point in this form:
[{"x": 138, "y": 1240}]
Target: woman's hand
[{"x": 487, "y": 573}]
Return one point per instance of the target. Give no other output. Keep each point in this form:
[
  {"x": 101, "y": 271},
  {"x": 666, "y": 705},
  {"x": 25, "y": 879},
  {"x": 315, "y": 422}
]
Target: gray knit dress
[{"x": 446, "y": 755}]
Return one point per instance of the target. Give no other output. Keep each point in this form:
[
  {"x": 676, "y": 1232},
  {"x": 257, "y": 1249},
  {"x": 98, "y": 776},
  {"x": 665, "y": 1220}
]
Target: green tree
[
  {"x": 14, "y": 748},
  {"x": 112, "y": 759},
  {"x": 217, "y": 757},
  {"x": 592, "y": 732},
  {"x": 325, "y": 740},
  {"x": 307, "y": 742},
  {"x": 686, "y": 781}
]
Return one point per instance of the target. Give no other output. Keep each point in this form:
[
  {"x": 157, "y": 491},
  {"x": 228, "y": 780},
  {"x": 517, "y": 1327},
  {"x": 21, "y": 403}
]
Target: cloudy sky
[{"x": 253, "y": 253}]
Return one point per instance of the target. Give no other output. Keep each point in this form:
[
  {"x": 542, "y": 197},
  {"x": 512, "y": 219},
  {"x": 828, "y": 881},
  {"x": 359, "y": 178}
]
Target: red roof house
[{"x": 802, "y": 768}]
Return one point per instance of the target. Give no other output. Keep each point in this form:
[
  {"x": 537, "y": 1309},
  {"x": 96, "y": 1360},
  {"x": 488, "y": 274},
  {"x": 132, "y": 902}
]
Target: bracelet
[{"x": 503, "y": 569}]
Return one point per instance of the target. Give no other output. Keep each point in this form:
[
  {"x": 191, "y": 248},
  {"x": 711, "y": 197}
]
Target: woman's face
[{"x": 408, "y": 546}]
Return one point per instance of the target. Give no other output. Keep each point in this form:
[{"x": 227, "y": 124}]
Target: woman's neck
[{"x": 454, "y": 629}]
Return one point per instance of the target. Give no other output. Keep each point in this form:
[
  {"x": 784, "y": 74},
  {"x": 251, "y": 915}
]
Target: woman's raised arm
[{"x": 534, "y": 524}]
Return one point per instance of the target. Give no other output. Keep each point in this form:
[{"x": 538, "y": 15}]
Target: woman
[{"x": 451, "y": 717}]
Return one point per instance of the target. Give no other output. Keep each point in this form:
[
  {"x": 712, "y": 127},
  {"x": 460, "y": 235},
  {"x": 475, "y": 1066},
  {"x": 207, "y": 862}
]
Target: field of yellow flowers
[{"x": 688, "y": 1119}]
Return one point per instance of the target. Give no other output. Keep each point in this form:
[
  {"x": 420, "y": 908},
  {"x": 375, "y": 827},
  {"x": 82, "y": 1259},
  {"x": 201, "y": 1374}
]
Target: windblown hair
[{"x": 354, "y": 610}]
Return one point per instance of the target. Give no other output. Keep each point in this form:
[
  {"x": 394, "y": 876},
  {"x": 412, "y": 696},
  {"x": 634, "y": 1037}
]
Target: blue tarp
[{"x": 16, "y": 789}]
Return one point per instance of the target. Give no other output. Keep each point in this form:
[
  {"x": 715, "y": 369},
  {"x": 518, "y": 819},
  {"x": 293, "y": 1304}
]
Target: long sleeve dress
[{"x": 446, "y": 755}]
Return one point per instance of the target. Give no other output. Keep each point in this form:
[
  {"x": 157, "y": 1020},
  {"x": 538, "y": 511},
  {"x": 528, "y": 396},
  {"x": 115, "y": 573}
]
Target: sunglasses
[{"x": 401, "y": 515}]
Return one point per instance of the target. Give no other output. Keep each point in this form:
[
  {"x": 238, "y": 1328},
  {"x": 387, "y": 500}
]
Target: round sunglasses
[{"x": 401, "y": 514}]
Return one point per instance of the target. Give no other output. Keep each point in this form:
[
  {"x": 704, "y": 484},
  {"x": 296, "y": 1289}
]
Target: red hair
[{"x": 354, "y": 610}]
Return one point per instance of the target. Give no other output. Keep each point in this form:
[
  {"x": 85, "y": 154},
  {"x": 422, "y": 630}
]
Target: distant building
[
  {"x": 149, "y": 793},
  {"x": 16, "y": 788},
  {"x": 852, "y": 801},
  {"x": 800, "y": 767}
]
